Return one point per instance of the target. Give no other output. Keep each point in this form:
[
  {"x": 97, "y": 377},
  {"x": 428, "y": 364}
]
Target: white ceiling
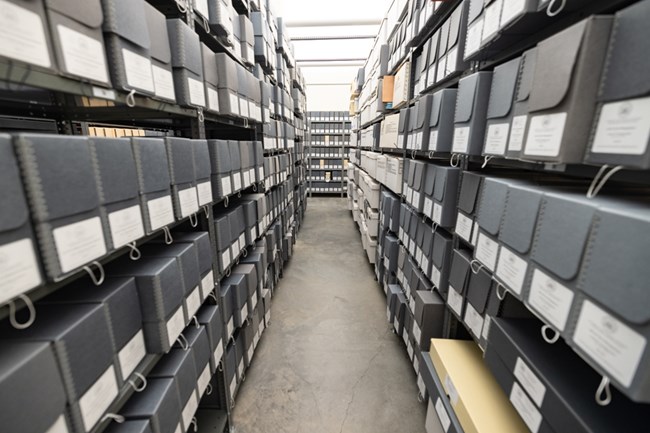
[{"x": 330, "y": 10}]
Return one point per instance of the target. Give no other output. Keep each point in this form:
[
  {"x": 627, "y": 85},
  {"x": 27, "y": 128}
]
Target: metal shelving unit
[{"x": 317, "y": 122}]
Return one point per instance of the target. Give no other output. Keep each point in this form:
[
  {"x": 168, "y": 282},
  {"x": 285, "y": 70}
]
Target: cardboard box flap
[
  {"x": 526, "y": 74},
  {"x": 460, "y": 270},
  {"x": 556, "y": 59},
  {"x": 127, "y": 19},
  {"x": 469, "y": 189},
  {"x": 114, "y": 160},
  {"x": 504, "y": 81},
  {"x": 455, "y": 21},
  {"x": 158, "y": 36},
  {"x": 629, "y": 271},
  {"x": 88, "y": 12},
  {"x": 478, "y": 289},
  {"x": 53, "y": 164},
  {"x": 467, "y": 89},
  {"x": 151, "y": 162},
  {"x": 13, "y": 207},
  {"x": 625, "y": 74},
  {"x": 219, "y": 156},
  {"x": 430, "y": 180},
  {"x": 185, "y": 46},
  {"x": 492, "y": 204},
  {"x": 562, "y": 231},
  {"x": 433, "y": 49},
  {"x": 444, "y": 38},
  {"x": 475, "y": 10},
  {"x": 520, "y": 217},
  {"x": 423, "y": 111}
]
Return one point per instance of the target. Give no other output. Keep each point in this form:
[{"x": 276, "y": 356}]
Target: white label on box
[
  {"x": 161, "y": 212},
  {"x": 230, "y": 327},
  {"x": 79, "y": 243},
  {"x": 409, "y": 346},
  {"x": 101, "y": 93},
  {"x": 623, "y": 128},
  {"x": 461, "y": 139},
  {"x": 188, "y": 200},
  {"x": 131, "y": 354},
  {"x": 473, "y": 41},
  {"x": 437, "y": 213},
  {"x": 204, "y": 192},
  {"x": 451, "y": 390},
  {"x": 511, "y": 269},
  {"x": 525, "y": 408},
  {"x": 551, "y": 299},
  {"x": 455, "y": 300},
  {"x": 237, "y": 180},
  {"x": 226, "y": 185},
  {"x": 247, "y": 178},
  {"x": 126, "y": 225},
  {"x": 486, "y": 327},
  {"x": 497, "y": 138},
  {"x": 421, "y": 386},
  {"x": 225, "y": 258},
  {"x": 189, "y": 410},
  {"x": 417, "y": 332},
  {"x": 411, "y": 303},
  {"x": 179, "y": 428},
  {"x": 201, "y": 6},
  {"x": 473, "y": 320},
  {"x": 545, "y": 135},
  {"x": 244, "y": 312},
  {"x": 516, "y": 141},
  {"x": 250, "y": 353},
  {"x": 243, "y": 107},
  {"x": 197, "y": 92},
  {"x": 233, "y": 386},
  {"x": 435, "y": 276},
  {"x": 240, "y": 368},
  {"x": 511, "y": 9},
  {"x": 464, "y": 227},
  {"x": 59, "y": 425},
  {"x": 491, "y": 21},
  {"x": 207, "y": 284},
  {"x": 204, "y": 379},
  {"x": 609, "y": 342},
  {"x": 428, "y": 205},
  {"x": 452, "y": 59},
  {"x": 19, "y": 269},
  {"x": 23, "y": 35},
  {"x": 242, "y": 241},
  {"x": 530, "y": 382},
  {"x": 83, "y": 56},
  {"x": 440, "y": 74},
  {"x": 433, "y": 140},
  {"x": 175, "y": 326},
  {"x": 194, "y": 301},
  {"x": 98, "y": 398},
  {"x": 138, "y": 70},
  {"x": 424, "y": 262},
  {"x": 218, "y": 352},
  {"x": 487, "y": 251},
  {"x": 163, "y": 82},
  {"x": 254, "y": 299},
  {"x": 416, "y": 198},
  {"x": 213, "y": 99},
  {"x": 443, "y": 416},
  {"x": 475, "y": 232}
]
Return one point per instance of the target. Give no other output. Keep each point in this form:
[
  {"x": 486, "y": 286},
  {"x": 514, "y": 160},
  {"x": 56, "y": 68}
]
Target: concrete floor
[{"x": 329, "y": 362}]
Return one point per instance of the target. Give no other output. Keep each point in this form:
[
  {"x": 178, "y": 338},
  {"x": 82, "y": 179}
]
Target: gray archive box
[
  {"x": 427, "y": 318},
  {"x": 133, "y": 426},
  {"x": 525, "y": 78},
  {"x": 246, "y": 163},
  {"x": 622, "y": 99},
  {"x": 451, "y": 59},
  {"x": 231, "y": 371},
  {"x": 76, "y": 31},
  {"x": 202, "y": 171},
  {"x": 470, "y": 116},
  {"x": 187, "y": 65},
  {"x": 432, "y": 58},
  {"x": 28, "y": 369},
  {"x": 421, "y": 126},
  {"x": 250, "y": 272},
  {"x": 119, "y": 299},
  {"x": 468, "y": 199},
  {"x": 27, "y": 40},
  {"x": 428, "y": 189},
  {"x": 445, "y": 195},
  {"x": 239, "y": 292},
  {"x": 611, "y": 304},
  {"x": 211, "y": 77},
  {"x": 411, "y": 126},
  {"x": 203, "y": 246},
  {"x": 500, "y": 108},
  {"x": 441, "y": 122},
  {"x": 221, "y": 168},
  {"x": 228, "y": 84},
  {"x": 479, "y": 290},
  {"x": 80, "y": 338},
  {"x": 127, "y": 45},
  {"x": 220, "y": 18},
  {"x": 250, "y": 215},
  {"x": 458, "y": 280},
  {"x": 179, "y": 366},
  {"x": 180, "y": 155},
  {"x": 161, "y": 292},
  {"x": 247, "y": 40},
  {"x": 402, "y": 128},
  {"x": 199, "y": 345},
  {"x": 117, "y": 179},
  {"x": 563, "y": 97},
  {"x": 258, "y": 151},
  {"x": 235, "y": 163},
  {"x": 441, "y": 256},
  {"x": 489, "y": 215},
  {"x": 20, "y": 268},
  {"x": 63, "y": 198},
  {"x": 153, "y": 182},
  {"x": 159, "y": 403},
  {"x": 226, "y": 297},
  {"x": 237, "y": 229},
  {"x": 242, "y": 91},
  {"x": 161, "y": 55},
  {"x": 224, "y": 240},
  {"x": 210, "y": 317}
]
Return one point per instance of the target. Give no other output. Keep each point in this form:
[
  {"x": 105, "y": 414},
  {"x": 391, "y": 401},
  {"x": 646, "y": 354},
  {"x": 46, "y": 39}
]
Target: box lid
[
  {"x": 424, "y": 111},
  {"x": 219, "y": 156},
  {"x": 433, "y": 48},
  {"x": 466, "y": 97},
  {"x": 478, "y": 289},
  {"x": 460, "y": 270},
  {"x": 438, "y": 103},
  {"x": 455, "y": 21},
  {"x": 492, "y": 204},
  {"x": 127, "y": 19},
  {"x": 520, "y": 217},
  {"x": 158, "y": 36},
  {"x": 185, "y": 46},
  {"x": 202, "y": 166},
  {"x": 504, "y": 81},
  {"x": 441, "y": 253},
  {"x": 403, "y": 119},
  {"x": 114, "y": 161},
  {"x": 186, "y": 255},
  {"x": 475, "y": 10},
  {"x": 13, "y": 206},
  {"x": 469, "y": 190},
  {"x": 89, "y": 13},
  {"x": 444, "y": 38},
  {"x": 178, "y": 364},
  {"x": 151, "y": 164}
]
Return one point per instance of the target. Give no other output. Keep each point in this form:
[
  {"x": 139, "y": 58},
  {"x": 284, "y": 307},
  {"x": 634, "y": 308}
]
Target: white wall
[{"x": 328, "y": 98}]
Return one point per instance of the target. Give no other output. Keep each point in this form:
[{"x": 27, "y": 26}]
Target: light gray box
[
  {"x": 228, "y": 84},
  {"x": 441, "y": 122},
  {"x": 211, "y": 78},
  {"x": 421, "y": 125},
  {"x": 622, "y": 98},
  {"x": 202, "y": 171},
  {"x": 221, "y": 168},
  {"x": 445, "y": 196},
  {"x": 220, "y": 20},
  {"x": 127, "y": 45},
  {"x": 76, "y": 31},
  {"x": 432, "y": 58},
  {"x": 470, "y": 116},
  {"x": 159, "y": 403},
  {"x": 428, "y": 318},
  {"x": 210, "y": 317},
  {"x": 224, "y": 240},
  {"x": 563, "y": 98},
  {"x": 459, "y": 273},
  {"x": 59, "y": 180},
  {"x": 402, "y": 129},
  {"x": 161, "y": 55},
  {"x": 500, "y": 108},
  {"x": 199, "y": 345},
  {"x": 441, "y": 256},
  {"x": 489, "y": 215},
  {"x": 187, "y": 66},
  {"x": 180, "y": 156},
  {"x": 236, "y": 165},
  {"x": 517, "y": 134}
]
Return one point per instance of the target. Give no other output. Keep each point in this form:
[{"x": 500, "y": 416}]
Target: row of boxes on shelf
[
  {"x": 100, "y": 335},
  {"x": 88, "y": 196},
  {"x": 279, "y": 135},
  {"x": 386, "y": 169}
]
